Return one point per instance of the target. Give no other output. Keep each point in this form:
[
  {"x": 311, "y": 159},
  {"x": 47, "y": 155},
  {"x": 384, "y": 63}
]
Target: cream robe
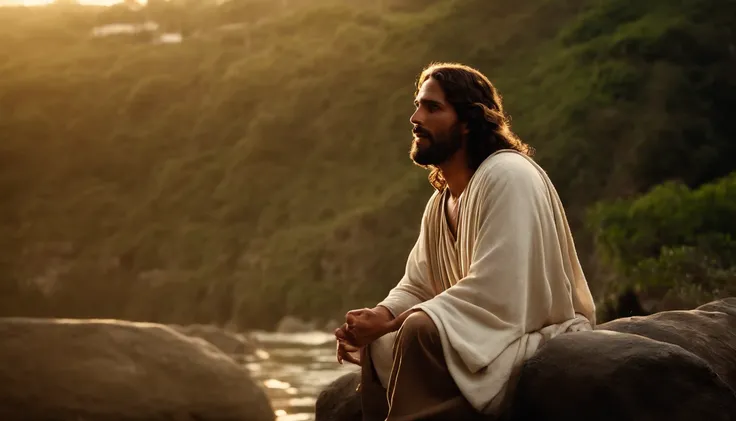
[{"x": 511, "y": 281}]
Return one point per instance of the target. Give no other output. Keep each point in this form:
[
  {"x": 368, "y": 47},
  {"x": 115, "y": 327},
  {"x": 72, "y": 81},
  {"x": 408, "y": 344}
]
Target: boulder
[
  {"x": 339, "y": 401},
  {"x": 605, "y": 375},
  {"x": 234, "y": 344},
  {"x": 112, "y": 370},
  {"x": 672, "y": 365},
  {"x": 709, "y": 332},
  {"x": 725, "y": 305}
]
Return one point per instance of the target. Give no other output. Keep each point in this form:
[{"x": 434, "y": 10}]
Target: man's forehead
[{"x": 430, "y": 90}]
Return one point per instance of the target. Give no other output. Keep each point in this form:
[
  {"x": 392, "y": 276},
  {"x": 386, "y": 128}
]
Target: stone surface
[
  {"x": 109, "y": 370},
  {"x": 339, "y": 401},
  {"x": 708, "y": 331},
  {"x": 234, "y": 344},
  {"x": 604, "y": 375}
]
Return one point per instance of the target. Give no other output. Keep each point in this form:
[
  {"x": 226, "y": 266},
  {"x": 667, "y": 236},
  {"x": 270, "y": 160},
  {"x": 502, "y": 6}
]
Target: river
[{"x": 293, "y": 368}]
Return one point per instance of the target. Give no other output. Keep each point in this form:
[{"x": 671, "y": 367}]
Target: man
[{"x": 493, "y": 274}]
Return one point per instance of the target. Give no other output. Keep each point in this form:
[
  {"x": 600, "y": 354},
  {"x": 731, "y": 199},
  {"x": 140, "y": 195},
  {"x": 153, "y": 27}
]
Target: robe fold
[{"x": 508, "y": 281}]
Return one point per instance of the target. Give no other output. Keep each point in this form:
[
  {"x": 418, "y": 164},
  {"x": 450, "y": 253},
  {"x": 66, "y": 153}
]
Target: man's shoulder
[{"x": 508, "y": 165}]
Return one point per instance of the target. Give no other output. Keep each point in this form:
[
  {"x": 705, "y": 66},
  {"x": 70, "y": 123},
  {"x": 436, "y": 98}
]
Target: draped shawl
[{"x": 508, "y": 281}]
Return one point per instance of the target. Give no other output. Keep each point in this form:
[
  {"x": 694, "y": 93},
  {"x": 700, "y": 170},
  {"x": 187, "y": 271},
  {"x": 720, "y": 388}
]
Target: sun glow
[
  {"x": 25, "y": 2},
  {"x": 31, "y": 3}
]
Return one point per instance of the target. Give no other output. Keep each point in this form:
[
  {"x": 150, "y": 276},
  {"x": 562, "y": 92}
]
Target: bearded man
[{"x": 492, "y": 276}]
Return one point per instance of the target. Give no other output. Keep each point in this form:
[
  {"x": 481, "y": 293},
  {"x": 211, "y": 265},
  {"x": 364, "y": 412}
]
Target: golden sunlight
[
  {"x": 47, "y": 2},
  {"x": 25, "y": 2}
]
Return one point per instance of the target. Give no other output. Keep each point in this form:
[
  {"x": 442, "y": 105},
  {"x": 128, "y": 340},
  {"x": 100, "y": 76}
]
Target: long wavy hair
[{"x": 478, "y": 104}]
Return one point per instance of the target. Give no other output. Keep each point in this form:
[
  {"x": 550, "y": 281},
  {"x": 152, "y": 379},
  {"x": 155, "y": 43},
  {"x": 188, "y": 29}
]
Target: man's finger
[
  {"x": 344, "y": 334},
  {"x": 353, "y": 315},
  {"x": 349, "y": 358},
  {"x": 350, "y": 348},
  {"x": 354, "y": 312},
  {"x": 348, "y": 336},
  {"x": 342, "y": 354},
  {"x": 340, "y": 334}
]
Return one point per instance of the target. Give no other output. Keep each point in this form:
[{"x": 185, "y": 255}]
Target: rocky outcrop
[
  {"x": 234, "y": 344},
  {"x": 709, "y": 332},
  {"x": 669, "y": 366},
  {"x": 339, "y": 401},
  {"x": 110, "y": 370},
  {"x": 605, "y": 375},
  {"x": 726, "y": 306}
]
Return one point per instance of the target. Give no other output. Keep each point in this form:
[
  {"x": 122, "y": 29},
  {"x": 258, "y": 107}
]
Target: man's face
[{"x": 437, "y": 132}]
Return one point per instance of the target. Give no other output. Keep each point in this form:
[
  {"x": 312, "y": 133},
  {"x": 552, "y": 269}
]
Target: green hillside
[{"x": 261, "y": 168}]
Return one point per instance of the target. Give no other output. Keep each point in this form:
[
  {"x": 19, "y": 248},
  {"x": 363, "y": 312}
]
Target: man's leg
[
  {"x": 372, "y": 394},
  {"x": 420, "y": 386}
]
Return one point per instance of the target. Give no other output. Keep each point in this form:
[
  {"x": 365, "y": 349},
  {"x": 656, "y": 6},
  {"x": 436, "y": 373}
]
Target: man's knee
[
  {"x": 419, "y": 327},
  {"x": 420, "y": 339}
]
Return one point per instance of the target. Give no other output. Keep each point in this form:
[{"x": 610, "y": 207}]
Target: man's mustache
[{"x": 420, "y": 132}]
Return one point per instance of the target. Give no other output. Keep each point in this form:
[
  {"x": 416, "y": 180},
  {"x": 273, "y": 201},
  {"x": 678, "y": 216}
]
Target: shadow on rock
[
  {"x": 604, "y": 375},
  {"x": 110, "y": 370},
  {"x": 669, "y": 366},
  {"x": 339, "y": 400},
  {"x": 709, "y": 332}
]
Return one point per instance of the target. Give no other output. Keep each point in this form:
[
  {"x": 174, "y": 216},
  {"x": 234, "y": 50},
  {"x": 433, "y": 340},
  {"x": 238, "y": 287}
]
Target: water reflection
[{"x": 294, "y": 368}]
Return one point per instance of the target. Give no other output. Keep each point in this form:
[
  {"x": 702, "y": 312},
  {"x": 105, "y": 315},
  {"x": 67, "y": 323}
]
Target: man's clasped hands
[{"x": 362, "y": 327}]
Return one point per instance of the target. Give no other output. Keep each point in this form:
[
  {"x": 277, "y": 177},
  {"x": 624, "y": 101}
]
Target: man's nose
[{"x": 416, "y": 118}]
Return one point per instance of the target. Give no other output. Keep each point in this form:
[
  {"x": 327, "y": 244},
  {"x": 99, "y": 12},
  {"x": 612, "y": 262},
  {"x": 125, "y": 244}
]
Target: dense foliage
[
  {"x": 260, "y": 167},
  {"x": 674, "y": 243}
]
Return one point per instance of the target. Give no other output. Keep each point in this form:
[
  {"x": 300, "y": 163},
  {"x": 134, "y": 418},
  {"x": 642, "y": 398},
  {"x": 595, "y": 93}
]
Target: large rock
[
  {"x": 339, "y": 401},
  {"x": 108, "y": 370},
  {"x": 725, "y": 305},
  {"x": 672, "y": 365},
  {"x": 709, "y": 332},
  {"x": 604, "y": 375},
  {"x": 234, "y": 344}
]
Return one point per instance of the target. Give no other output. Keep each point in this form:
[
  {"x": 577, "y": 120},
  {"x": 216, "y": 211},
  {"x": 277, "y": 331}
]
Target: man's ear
[{"x": 464, "y": 128}]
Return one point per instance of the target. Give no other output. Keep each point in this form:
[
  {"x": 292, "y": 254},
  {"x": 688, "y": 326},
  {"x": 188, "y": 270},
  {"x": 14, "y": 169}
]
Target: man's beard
[{"x": 440, "y": 148}]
